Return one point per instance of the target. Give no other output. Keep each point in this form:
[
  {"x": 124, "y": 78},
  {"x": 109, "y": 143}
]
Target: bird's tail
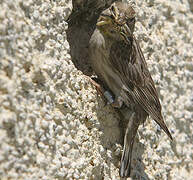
[{"x": 129, "y": 137}]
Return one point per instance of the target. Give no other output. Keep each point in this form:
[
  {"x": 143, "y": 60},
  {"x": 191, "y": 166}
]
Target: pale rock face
[{"x": 52, "y": 123}]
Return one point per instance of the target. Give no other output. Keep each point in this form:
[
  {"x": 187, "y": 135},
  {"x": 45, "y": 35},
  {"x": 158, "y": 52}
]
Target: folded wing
[{"x": 129, "y": 63}]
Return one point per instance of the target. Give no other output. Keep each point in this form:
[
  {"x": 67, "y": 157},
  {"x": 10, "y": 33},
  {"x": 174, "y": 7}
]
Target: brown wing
[{"x": 130, "y": 65}]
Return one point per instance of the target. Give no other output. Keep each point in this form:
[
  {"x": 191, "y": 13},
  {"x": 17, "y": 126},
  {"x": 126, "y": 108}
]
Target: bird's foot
[
  {"x": 118, "y": 102},
  {"x": 107, "y": 95}
]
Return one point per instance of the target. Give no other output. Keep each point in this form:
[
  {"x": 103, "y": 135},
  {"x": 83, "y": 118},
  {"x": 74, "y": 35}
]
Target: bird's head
[{"x": 117, "y": 22}]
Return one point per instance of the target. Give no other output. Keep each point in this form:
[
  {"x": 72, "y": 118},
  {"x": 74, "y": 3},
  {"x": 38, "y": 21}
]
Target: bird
[{"x": 119, "y": 63}]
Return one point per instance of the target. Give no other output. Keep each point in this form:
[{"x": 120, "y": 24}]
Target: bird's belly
[
  {"x": 108, "y": 76},
  {"x": 99, "y": 55}
]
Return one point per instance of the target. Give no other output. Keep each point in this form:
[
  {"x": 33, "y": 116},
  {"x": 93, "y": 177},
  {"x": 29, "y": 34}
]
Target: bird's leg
[
  {"x": 114, "y": 102},
  {"x": 109, "y": 97},
  {"x": 100, "y": 90},
  {"x": 105, "y": 94},
  {"x": 118, "y": 102}
]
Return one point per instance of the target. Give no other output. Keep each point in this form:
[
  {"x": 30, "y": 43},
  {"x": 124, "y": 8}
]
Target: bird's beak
[{"x": 103, "y": 21}]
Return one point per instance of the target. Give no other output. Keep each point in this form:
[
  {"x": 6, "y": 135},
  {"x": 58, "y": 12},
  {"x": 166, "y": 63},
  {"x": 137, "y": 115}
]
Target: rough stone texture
[{"x": 52, "y": 123}]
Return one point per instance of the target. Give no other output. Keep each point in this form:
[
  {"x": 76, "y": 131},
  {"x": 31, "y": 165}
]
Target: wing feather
[{"x": 130, "y": 65}]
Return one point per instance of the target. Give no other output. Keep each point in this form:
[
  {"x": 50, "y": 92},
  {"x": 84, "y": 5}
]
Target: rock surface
[{"x": 53, "y": 125}]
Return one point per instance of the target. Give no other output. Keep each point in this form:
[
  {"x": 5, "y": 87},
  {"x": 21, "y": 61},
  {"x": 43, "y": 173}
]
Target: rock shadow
[{"x": 78, "y": 35}]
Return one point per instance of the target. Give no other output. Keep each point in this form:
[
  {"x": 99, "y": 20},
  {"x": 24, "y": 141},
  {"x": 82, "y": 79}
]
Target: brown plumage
[{"x": 118, "y": 61}]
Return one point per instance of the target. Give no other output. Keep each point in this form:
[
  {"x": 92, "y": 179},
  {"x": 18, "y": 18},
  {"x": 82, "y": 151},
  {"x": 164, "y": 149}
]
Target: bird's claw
[{"x": 114, "y": 102}]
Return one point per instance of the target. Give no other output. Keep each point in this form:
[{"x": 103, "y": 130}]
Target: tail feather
[
  {"x": 125, "y": 168},
  {"x": 131, "y": 130}
]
